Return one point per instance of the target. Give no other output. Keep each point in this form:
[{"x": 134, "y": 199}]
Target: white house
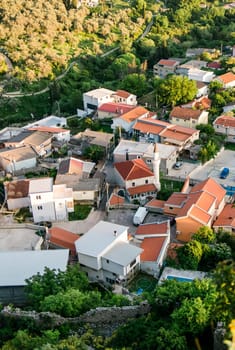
[
  {"x": 50, "y": 202},
  {"x": 138, "y": 180},
  {"x": 122, "y": 96},
  {"x": 165, "y": 67},
  {"x": 225, "y": 125},
  {"x": 154, "y": 239},
  {"x": 202, "y": 89},
  {"x": 17, "y": 158},
  {"x": 94, "y": 98},
  {"x": 227, "y": 80},
  {"x": 188, "y": 117},
  {"x": 51, "y": 121},
  {"x": 21, "y": 265},
  {"x": 60, "y": 134},
  {"x": 106, "y": 255}
]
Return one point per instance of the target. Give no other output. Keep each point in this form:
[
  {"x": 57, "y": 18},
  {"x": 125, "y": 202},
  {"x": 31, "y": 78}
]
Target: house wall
[
  {"x": 191, "y": 123},
  {"x": 62, "y": 136},
  {"x": 119, "y": 179},
  {"x": 202, "y": 91},
  {"x": 171, "y": 210},
  {"x": 121, "y": 123},
  {"x": 229, "y": 131},
  {"x": 43, "y": 208},
  {"x": 130, "y": 100},
  {"x": 89, "y": 261},
  {"x": 163, "y": 71},
  {"x": 104, "y": 114},
  {"x": 95, "y": 102},
  {"x": 60, "y": 210},
  {"x": 139, "y": 182},
  {"x": 185, "y": 228},
  {"x": 17, "y": 203},
  {"x": 113, "y": 267},
  {"x": 15, "y": 166}
]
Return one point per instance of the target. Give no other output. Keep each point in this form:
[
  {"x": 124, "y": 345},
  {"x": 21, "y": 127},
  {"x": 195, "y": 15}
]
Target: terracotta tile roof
[
  {"x": 63, "y": 238},
  {"x": 134, "y": 114},
  {"x": 145, "y": 128},
  {"x": 152, "y": 228},
  {"x": 225, "y": 121},
  {"x": 199, "y": 215},
  {"x": 227, "y": 217},
  {"x": 170, "y": 63},
  {"x": 176, "y": 199},
  {"x": 17, "y": 189},
  {"x": 227, "y": 77},
  {"x": 185, "y": 113},
  {"x": 141, "y": 189},
  {"x": 178, "y": 133},
  {"x": 203, "y": 103},
  {"x": 71, "y": 166},
  {"x": 122, "y": 93},
  {"x": 116, "y": 199},
  {"x": 152, "y": 247},
  {"x": 52, "y": 130},
  {"x": 212, "y": 187},
  {"x": 113, "y": 107},
  {"x": 156, "y": 203},
  {"x": 133, "y": 169}
]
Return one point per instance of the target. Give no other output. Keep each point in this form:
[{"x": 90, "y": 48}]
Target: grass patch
[
  {"x": 146, "y": 282},
  {"x": 168, "y": 187},
  {"x": 230, "y": 146},
  {"x": 81, "y": 212},
  {"x": 22, "y": 214}
]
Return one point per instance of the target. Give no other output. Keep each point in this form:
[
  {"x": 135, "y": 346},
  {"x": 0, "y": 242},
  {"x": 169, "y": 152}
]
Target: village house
[
  {"x": 59, "y": 134},
  {"x": 154, "y": 239},
  {"x": 21, "y": 265},
  {"x": 139, "y": 182},
  {"x": 202, "y": 103},
  {"x": 165, "y": 67},
  {"x": 225, "y": 125},
  {"x": 129, "y": 150},
  {"x": 113, "y": 110},
  {"x": 15, "y": 159},
  {"x": 188, "y": 117},
  {"x": 58, "y": 238},
  {"x": 226, "y": 219},
  {"x": 106, "y": 255},
  {"x": 227, "y": 80},
  {"x": 51, "y": 121},
  {"x": 154, "y": 130},
  {"x": 196, "y": 208},
  {"x": 50, "y": 202},
  {"x": 198, "y": 51},
  {"x": 202, "y": 89},
  {"x": 127, "y": 120},
  {"x": 17, "y": 194},
  {"x": 38, "y": 140},
  {"x": 125, "y": 97}
]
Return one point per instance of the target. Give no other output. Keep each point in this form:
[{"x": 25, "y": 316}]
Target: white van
[{"x": 140, "y": 216}]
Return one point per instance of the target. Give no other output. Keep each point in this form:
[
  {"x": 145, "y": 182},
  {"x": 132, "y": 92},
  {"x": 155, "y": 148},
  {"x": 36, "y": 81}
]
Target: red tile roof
[
  {"x": 212, "y": 187},
  {"x": 152, "y": 247},
  {"x": 115, "y": 199},
  {"x": 63, "y": 238},
  {"x": 118, "y": 108},
  {"x": 133, "y": 169},
  {"x": 141, "y": 189},
  {"x": 176, "y": 199},
  {"x": 225, "y": 121},
  {"x": 156, "y": 203},
  {"x": 134, "y": 114},
  {"x": 169, "y": 63},
  {"x": 152, "y": 228},
  {"x": 185, "y": 113},
  {"x": 122, "y": 93},
  {"x": 227, "y": 217},
  {"x": 227, "y": 77},
  {"x": 71, "y": 166}
]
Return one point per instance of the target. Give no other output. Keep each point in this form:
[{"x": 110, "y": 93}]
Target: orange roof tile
[
  {"x": 176, "y": 199},
  {"x": 118, "y": 108},
  {"x": 212, "y": 187},
  {"x": 227, "y": 217},
  {"x": 185, "y": 113},
  {"x": 49, "y": 129},
  {"x": 200, "y": 215},
  {"x": 152, "y": 248},
  {"x": 157, "y": 203},
  {"x": 152, "y": 228},
  {"x": 227, "y": 77},
  {"x": 225, "y": 121},
  {"x": 141, "y": 189},
  {"x": 134, "y": 114},
  {"x": 17, "y": 189},
  {"x": 116, "y": 199},
  {"x": 122, "y": 93},
  {"x": 176, "y": 132},
  {"x": 63, "y": 238},
  {"x": 170, "y": 63},
  {"x": 147, "y": 127},
  {"x": 133, "y": 169}
]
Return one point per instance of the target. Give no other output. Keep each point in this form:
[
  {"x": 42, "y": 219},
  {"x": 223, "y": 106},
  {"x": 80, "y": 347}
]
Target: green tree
[
  {"x": 175, "y": 90},
  {"x": 190, "y": 255},
  {"x": 94, "y": 152},
  {"x": 136, "y": 83},
  {"x": 204, "y": 235}
]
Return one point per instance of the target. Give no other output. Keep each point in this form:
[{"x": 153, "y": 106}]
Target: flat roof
[
  {"x": 18, "y": 238},
  {"x": 99, "y": 237},
  {"x": 18, "y": 266},
  {"x": 40, "y": 185},
  {"x": 99, "y": 93},
  {"x": 122, "y": 253},
  {"x": 52, "y": 121}
]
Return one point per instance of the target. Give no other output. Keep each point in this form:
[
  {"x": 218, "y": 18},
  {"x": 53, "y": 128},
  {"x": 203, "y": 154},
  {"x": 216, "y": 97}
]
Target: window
[
  {"x": 38, "y": 197},
  {"x": 39, "y": 207},
  {"x": 133, "y": 184},
  {"x": 171, "y": 208},
  {"x": 149, "y": 161},
  {"x": 107, "y": 261},
  {"x": 138, "y": 157},
  {"x": 132, "y": 263},
  {"x": 147, "y": 181}
]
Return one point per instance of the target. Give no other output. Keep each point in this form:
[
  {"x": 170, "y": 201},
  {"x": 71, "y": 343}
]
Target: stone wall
[{"x": 103, "y": 320}]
